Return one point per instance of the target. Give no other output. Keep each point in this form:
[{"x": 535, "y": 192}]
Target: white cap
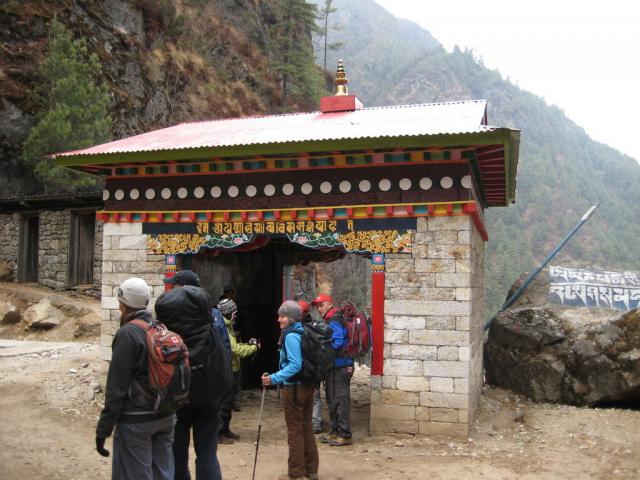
[{"x": 134, "y": 293}]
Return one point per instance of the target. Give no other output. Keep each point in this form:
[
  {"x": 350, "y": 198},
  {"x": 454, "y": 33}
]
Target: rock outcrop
[
  {"x": 42, "y": 315},
  {"x": 554, "y": 353}
]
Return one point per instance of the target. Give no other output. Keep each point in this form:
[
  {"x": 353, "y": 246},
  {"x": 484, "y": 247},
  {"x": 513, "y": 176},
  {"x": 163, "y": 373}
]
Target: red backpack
[
  {"x": 168, "y": 361},
  {"x": 358, "y": 331}
]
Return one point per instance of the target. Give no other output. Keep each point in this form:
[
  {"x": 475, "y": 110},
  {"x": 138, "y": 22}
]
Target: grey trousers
[
  {"x": 143, "y": 451},
  {"x": 338, "y": 384},
  {"x": 316, "y": 420}
]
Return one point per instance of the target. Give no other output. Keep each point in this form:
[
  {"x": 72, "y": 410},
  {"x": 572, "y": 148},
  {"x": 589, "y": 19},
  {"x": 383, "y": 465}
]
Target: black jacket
[
  {"x": 186, "y": 311},
  {"x": 127, "y": 398}
]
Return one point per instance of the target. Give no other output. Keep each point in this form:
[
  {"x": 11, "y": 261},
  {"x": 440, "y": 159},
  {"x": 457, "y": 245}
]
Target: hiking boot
[
  {"x": 224, "y": 440},
  {"x": 327, "y": 437},
  {"x": 340, "y": 441},
  {"x": 311, "y": 476},
  {"x": 230, "y": 434},
  {"x": 317, "y": 430},
  {"x": 285, "y": 476}
]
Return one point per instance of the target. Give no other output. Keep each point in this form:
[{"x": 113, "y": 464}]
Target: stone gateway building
[{"x": 240, "y": 200}]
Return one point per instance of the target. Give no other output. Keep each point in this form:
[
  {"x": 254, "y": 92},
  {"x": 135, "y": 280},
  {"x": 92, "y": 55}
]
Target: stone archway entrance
[{"x": 408, "y": 185}]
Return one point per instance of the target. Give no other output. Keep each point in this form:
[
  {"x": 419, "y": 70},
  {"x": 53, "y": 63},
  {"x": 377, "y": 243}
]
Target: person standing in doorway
[
  {"x": 297, "y": 397},
  {"x": 229, "y": 292},
  {"x": 338, "y": 381},
  {"x": 143, "y": 437},
  {"x": 229, "y": 310}
]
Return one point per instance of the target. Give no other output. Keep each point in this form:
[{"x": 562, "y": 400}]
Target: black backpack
[
  {"x": 318, "y": 355},
  {"x": 187, "y": 311}
]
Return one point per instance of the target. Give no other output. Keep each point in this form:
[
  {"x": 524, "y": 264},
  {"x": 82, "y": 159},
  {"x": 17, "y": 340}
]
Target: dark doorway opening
[
  {"x": 81, "y": 248},
  {"x": 258, "y": 278},
  {"x": 29, "y": 246}
]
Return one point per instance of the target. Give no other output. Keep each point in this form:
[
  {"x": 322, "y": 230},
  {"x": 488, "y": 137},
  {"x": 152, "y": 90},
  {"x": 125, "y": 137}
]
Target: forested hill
[
  {"x": 561, "y": 172},
  {"x": 151, "y": 63}
]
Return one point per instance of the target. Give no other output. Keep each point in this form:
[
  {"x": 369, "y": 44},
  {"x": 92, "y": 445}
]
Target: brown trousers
[{"x": 298, "y": 408}]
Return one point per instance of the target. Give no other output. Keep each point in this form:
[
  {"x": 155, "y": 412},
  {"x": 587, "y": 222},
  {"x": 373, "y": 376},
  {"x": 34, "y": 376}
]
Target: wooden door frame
[
  {"x": 23, "y": 246},
  {"x": 74, "y": 233}
]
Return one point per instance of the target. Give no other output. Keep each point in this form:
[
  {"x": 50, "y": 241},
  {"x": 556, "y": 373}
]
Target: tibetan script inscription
[
  {"x": 267, "y": 227},
  {"x": 586, "y": 288}
]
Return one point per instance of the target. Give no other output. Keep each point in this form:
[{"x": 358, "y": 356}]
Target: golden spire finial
[{"x": 341, "y": 80}]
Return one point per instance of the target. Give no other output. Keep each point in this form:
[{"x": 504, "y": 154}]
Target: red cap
[
  {"x": 323, "y": 297},
  {"x": 304, "y": 306}
]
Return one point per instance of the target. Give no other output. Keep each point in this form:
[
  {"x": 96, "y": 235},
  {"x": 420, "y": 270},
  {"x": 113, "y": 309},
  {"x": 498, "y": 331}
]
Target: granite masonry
[
  {"x": 124, "y": 255},
  {"x": 433, "y": 332},
  {"x": 53, "y": 247}
]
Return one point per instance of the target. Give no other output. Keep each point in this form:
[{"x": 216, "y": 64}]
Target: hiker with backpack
[
  {"x": 229, "y": 310},
  {"x": 186, "y": 309},
  {"x": 143, "y": 420},
  {"x": 338, "y": 381},
  {"x": 297, "y": 396}
]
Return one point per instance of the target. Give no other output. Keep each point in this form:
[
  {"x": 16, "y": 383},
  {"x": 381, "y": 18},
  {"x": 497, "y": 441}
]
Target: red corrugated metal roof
[{"x": 399, "y": 121}]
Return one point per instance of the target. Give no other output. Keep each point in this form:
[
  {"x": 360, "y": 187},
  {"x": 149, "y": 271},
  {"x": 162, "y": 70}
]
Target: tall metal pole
[{"x": 535, "y": 273}]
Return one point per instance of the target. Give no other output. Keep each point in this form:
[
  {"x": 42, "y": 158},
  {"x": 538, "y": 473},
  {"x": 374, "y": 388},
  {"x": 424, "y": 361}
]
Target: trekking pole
[{"x": 255, "y": 460}]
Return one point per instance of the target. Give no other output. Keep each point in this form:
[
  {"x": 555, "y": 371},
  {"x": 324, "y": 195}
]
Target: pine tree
[
  {"x": 73, "y": 111},
  {"x": 292, "y": 54},
  {"x": 324, "y": 28}
]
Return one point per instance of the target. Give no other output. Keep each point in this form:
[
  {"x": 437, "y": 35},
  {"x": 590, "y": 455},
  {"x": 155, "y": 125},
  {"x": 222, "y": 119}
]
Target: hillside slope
[
  {"x": 163, "y": 62},
  {"x": 562, "y": 171}
]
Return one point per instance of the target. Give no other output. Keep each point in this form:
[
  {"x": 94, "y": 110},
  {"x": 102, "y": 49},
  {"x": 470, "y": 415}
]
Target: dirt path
[{"x": 48, "y": 414}]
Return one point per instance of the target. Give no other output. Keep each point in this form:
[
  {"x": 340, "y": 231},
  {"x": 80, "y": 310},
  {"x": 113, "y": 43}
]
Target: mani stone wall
[
  {"x": 124, "y": 255},
  {"x": 53, "y": 261},
  {"x": 433, "y": 332},
  {"x": 9, "y": 237}
]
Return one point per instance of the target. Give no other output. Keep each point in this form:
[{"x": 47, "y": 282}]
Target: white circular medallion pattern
[
  {"x": 251, "y": 191},
  {"x": 345, "y": 186},
  {"x": 325, "y": 187},
  {"x": 198, "y": 192},
  {"x": 233, "y": 191},
  {"x": 119, "y": 195},
  {"x": 385, "y": 184},
  {"x": 216, "y": 192},
  {"x": 405, "y": 184},
  {"x": 183, "y": 192},
  {"x": 287, "y": 189},
  {"x": 446, "y": 182},
  {"x": 364, "y": 185},
  {"x": 269, "y": 190},
  {"x": 466, "y": 181},
  {"x": 425, "y": 183},
  {"x": 150, "y": 193},
  {"x": 134, "y": 194},
  {"x": 105, "y": 195},
  {"x": 166, "y": 193},
  {"x": 306, "y": 188}
]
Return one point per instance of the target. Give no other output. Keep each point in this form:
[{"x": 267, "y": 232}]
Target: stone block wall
[
  {"x": 9, "y": 237},
  {"x": 432, "y": 351},
  {"x": 53, "y": 261},
  {"x": 124, "y": 255}
]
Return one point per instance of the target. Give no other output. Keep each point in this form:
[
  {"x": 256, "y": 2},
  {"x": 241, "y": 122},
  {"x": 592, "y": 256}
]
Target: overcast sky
[{"x": 583, "y": 56}]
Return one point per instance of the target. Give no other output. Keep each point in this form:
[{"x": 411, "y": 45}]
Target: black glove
[{"x": 100, "y": 447}]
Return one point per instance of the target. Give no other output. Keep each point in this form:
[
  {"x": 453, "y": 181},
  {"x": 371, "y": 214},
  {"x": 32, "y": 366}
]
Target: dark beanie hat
[{"x": 291, "y": 310}]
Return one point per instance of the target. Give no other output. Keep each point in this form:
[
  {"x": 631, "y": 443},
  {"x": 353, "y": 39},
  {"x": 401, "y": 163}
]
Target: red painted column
[{"x": 377, "y": 314}]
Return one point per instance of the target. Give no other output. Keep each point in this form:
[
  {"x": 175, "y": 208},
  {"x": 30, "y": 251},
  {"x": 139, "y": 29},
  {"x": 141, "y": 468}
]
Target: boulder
[
  {"x": 9, "y": 314},
  {"x": 553, "y": 353},
  {"x": 42, "y": 315},
  {"x": 6, "y": 275}
]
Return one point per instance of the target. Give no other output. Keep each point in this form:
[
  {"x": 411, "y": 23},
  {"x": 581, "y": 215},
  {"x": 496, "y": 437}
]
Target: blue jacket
[
  {"x": 218, "y": 324},
  {"x": 290, "y": 356},
  {"x": 340, "y": 338}
]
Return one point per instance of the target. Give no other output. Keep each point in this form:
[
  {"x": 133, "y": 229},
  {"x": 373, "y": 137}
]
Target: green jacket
[{"x": 238, "y": 350}]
